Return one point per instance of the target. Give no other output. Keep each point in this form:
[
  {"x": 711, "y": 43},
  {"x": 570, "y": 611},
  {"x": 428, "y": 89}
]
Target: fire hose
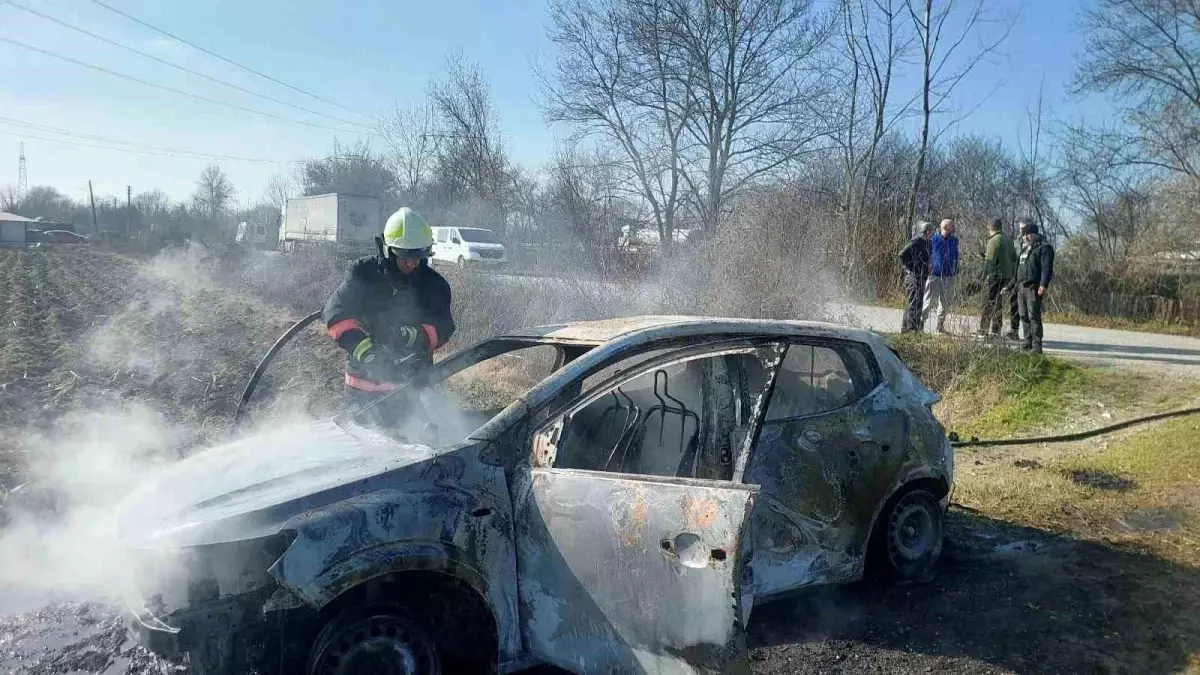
[
  {"x": 239, "y": 415},
  {"x": 1078, "y": 436}
]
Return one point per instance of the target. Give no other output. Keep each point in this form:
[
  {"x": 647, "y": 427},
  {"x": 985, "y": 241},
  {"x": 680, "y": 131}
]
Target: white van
[{"x": 465, "y": 246}]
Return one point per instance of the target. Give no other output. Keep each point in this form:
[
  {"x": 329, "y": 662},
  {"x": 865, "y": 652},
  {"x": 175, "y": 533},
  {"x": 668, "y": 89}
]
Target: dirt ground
[{"x": 88, "y": 329}]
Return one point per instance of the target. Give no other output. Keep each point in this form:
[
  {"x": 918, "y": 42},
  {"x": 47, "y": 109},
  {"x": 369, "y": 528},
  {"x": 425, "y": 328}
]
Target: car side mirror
[{"x": 456, "y": 240}]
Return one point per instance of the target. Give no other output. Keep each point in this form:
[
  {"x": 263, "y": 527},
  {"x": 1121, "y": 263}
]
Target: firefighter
[{"x": 389, "y": 314}]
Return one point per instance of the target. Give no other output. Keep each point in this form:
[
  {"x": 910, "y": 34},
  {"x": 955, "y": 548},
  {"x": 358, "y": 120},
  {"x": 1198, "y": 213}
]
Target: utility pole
[
  {"x": 92, "y": 199},
  {"x": 128, "y": 209}
]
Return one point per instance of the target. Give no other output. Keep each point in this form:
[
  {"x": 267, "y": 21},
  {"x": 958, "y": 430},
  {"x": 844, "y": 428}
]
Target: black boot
[{"x": 1037, "y": 348}]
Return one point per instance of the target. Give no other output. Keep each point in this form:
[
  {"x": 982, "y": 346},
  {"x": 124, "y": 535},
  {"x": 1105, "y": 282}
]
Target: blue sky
[{"x": 368, "y": 56}]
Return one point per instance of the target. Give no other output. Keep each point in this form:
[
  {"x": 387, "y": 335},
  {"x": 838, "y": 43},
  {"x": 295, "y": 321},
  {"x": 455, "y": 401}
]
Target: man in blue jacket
[{"x": 943, "y": 273}]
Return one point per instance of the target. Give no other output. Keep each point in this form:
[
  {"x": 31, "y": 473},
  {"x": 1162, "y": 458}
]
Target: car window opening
[
  {"x": 686, "y": 419},
  {"x": 814, "y": 379}
]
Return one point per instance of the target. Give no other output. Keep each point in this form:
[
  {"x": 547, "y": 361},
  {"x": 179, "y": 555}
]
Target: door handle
[{"x": 690, "y": 550}]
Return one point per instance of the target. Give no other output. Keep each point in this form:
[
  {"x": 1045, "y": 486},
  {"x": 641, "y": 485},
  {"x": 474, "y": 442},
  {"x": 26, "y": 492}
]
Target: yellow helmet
[{"x": 407, "y": 230}]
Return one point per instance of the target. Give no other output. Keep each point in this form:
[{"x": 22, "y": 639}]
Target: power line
[
  {"x": 159, "y": 152},
  {"x": 181, "y": 92},
  {"x": 103, "y": 139},
  {"x": 175, "y": 65},
  {"x": 226, "y": 60}
]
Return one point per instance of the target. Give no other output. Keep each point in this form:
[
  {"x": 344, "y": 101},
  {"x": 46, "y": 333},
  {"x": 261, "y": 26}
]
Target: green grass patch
[
  {"x": 1035, "y": 391},
  {"x": 1142, "y": 490},
  {"x": 994, "y": 392}
]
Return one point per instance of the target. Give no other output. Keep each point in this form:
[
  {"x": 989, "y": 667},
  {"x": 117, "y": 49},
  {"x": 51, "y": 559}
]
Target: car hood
[
  {"x": 250, "y": 487},
  {"x": 480, "y": 246}
]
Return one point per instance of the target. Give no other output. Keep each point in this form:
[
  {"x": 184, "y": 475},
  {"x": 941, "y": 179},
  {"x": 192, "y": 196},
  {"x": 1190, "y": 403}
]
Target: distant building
[{"x": 13, "y": 229}]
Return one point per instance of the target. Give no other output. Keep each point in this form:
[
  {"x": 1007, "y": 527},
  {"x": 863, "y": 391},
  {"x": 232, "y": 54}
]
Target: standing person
[
  {"x": 1034, "y": 274},
  {"x": 943, "y": 273},
  {"x": 915, "y": 259},
  {"x": 999, "y": 270},
  {"x": 1014, "y": 311},
  {"x": 389, "y": 314}
]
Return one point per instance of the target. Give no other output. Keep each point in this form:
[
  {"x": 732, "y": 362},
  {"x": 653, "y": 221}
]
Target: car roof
[{"x": 606, "y": 330}]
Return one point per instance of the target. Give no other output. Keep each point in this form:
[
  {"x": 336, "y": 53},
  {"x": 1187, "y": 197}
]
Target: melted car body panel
[{"x": 631, "y": 574}]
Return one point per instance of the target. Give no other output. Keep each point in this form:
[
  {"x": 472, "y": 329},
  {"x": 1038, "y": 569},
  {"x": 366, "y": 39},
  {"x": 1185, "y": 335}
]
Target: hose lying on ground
[{"x": 1079, "y": 436}]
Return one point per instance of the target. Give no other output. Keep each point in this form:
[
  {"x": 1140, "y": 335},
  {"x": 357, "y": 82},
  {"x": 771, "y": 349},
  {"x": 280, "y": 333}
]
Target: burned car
[{"x": 624, "y": 514}]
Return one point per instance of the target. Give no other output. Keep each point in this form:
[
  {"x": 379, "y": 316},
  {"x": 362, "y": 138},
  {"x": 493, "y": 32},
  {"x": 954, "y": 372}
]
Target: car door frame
[
  {"x": 826, "y": 549},
  {"x": 599, "y": 634}
]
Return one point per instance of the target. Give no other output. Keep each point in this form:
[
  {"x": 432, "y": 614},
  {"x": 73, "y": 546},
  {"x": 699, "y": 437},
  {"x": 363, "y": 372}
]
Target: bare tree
[
  {"x": 279, "y": 189},
  {"x": 876, "y": 41},
  {"x": 586, "y": 194},
  {"x": 944, "y": 64},
  {"x": 621, "y": 78},
  {"x": 756, "y": 91},
  {"x": 43, "y": 201},
  {"x": 703, "y": 99},
  {"x": 471, "y": 170},
  {"x": 8, "y": 197},
  {"x": 411, "y": 137},
  {"x": 352, "y": 170},
  {"x": 213, "y": 194},
  {"x": 1146, "y": 53}
]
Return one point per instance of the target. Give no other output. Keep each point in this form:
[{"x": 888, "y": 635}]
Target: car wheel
[
  {"x": 911, "y": 536},
  {"x": 462, "y": 263},
  {"x": 378, "y": 639}
]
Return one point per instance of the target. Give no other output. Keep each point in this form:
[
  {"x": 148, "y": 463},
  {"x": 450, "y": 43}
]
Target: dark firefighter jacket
[
  {"x": 376, "y": 300},
  {"x": 1037, "y": 265},
  {"x": 915, "y": 257}
]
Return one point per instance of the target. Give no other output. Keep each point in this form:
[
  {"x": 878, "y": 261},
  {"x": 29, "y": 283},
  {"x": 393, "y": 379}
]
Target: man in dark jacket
[
  {"x": 999, "y": 269},
  {"x": 1014, "y": 311},
  {"x": 389, "y": 314},
  {"x": 915, "y": 259},
  {"x": 1034, "y": 274}
]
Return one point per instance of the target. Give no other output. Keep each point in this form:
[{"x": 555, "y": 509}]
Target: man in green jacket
[{"x": 999, "y": 268}]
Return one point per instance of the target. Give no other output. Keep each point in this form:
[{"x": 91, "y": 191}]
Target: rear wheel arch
[{"x": 938, "y": 486}]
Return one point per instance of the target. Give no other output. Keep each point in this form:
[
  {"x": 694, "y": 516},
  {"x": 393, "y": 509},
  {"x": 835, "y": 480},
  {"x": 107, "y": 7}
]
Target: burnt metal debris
[{"x": 623, "y": 515}]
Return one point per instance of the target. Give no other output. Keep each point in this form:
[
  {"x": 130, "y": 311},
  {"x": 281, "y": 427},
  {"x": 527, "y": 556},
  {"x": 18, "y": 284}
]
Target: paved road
[{"x": 1139, "y": 351}]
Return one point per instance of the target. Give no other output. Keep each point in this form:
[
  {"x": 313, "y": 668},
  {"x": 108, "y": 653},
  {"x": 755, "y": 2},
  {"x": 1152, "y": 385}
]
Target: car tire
[
  {"x": 375, "y": 639},
  {"x": 908, "y": 536},
  {"x": 462, "y": 263}
]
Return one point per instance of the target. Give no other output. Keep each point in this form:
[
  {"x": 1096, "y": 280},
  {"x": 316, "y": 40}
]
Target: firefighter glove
[
  {"x": 411, "y": 337},
  {"x": 381, "y": 364}
]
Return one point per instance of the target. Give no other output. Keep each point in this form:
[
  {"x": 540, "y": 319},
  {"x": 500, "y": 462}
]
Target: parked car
[
  {"x": 623, "y": 515},
  {"x": 63, "y": 237},
  {"x": 465, "y": 246}
]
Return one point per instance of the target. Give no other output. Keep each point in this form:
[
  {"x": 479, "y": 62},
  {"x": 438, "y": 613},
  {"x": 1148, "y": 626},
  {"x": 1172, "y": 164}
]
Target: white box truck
[{"x": 346, "y": 221}]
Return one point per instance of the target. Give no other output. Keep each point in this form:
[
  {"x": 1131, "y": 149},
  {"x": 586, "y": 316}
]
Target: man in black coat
[
  {"x": 389, "y": 314},
  {"x": 1035, "y": 271},
  {"x": 915, "y": 257}
]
